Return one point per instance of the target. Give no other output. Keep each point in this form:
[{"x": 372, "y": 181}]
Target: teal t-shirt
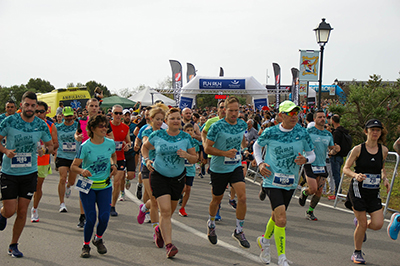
[
  {"x": 146, "y": 133},
  {"x": 96, "y": 159},
  {"x": 282, "y": 150},
  {"x": 191, "y": 168},
  {"x": 321, "y": 139},
  {"x": 226, "y": 137},
  {"x": 167, "y": 162},
  {"x": 23, "y": 137},
  {"x": 68, "y": 146}
]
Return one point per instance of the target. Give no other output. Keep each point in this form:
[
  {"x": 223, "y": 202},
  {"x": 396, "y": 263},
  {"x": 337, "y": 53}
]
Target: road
[{"x": 56, "y": 241}]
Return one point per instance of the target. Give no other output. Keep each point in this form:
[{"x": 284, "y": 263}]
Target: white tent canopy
[{"x": 148, "y": 97}]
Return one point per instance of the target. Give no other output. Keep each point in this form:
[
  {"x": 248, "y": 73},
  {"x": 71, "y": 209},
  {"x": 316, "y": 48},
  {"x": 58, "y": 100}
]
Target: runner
[
  {"x": 66, "y": 153},
  {"x": 363, "y": 195},
  {"x": 122, "y": 144},
  {"x": 131, "y": 157},
  {"x": 317, "y": 172},
  {"x": 394, "y": 225},
  {"x": 11, "y": 108},
  {"x": 172, "y": 147},
  {"x": 19, "y": 169},
  {"x": 94, "y": 157},
  {"x": 224, "y": 141},
  {"x": 44, "y": 167},
  {"x": 284, "y": 145}
]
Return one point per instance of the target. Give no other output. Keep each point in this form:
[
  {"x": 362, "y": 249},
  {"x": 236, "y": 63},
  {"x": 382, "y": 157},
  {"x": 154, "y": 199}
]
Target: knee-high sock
[
  {"x": 269, "y": 230},
  {"x": 280, "y": 239}
]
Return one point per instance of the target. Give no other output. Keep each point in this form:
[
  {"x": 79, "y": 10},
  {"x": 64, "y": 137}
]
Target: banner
[
  {"x": 303, "y": 88},
  {"x": 309, "y": 60},
  {"x": 185, "y": 102},
  {"x": 277, "y": 72},
  {"x": 176, "y": 79},
  {"x": 237, "y": 84},
  {"x": 260, "y": 103},
  {"x": 295, "y": 85},
  {"x": 191, "y": 72},
  {"x": 221, "y": 72}
]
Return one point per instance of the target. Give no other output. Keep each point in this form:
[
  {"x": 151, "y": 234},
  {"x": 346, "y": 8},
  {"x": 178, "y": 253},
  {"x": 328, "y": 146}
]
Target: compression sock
[
  {"x": 269, "y": 230},
  {"x": 280, "y": 239}
]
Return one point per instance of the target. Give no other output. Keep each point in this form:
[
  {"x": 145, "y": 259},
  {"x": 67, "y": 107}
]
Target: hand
[
  {"x": 149, "y": 165},
  {"x": 10, "y": 153},
  {"x": 300, "y": 159},
  {"x": 79, "y": 137},
  {"x": 263, "y": 169},
  {"x": 40, "y": 152},
  {"x": 181, "y": 153},
  {"x": 126, "y": 146},
  {"x": 231, "y": 153},
  {"x": 387, "y": 185},
  {"x": 86, "y": 173},
  {"x": 114, "y": 170},
  {"x": 360, "y": 177}
]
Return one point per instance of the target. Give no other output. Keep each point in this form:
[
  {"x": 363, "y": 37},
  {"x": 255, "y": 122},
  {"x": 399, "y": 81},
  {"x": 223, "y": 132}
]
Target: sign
[
  {"x": 303, "y": 88},
  {"x": 325, "y": 88},
  {"x": 185, "y": 102},
  {"x": 260, "y": 103},
  {"x": 226, "y": 84},
  {"x": 309, "y": 65},
  {"x": 220, "y": 97}
]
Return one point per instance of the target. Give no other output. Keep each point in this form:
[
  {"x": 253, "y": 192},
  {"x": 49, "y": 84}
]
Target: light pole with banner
[{"x": 322, "y": 34}]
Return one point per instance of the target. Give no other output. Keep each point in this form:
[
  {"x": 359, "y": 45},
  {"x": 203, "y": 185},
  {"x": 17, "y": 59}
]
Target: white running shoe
[
  {"x": 67, "y": 192},
  {"x": 128, "y": 184},
  {"x": 121, "y": 196},
  {"x": 63, "y": 208},
  {"x": 147, "y": 218},
  {"x": 283, "y": 261},
  {"x": 263, "y": 243},
  {"x": 34, "y": 215}
]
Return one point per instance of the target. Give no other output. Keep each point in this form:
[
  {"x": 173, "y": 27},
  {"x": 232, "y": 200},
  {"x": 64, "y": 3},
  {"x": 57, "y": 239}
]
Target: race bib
[
  {"x": 21, "y": 160},
  {"x": 187, "y": 164},
  {"x": 318, "y": 169},
  {"x": 83, "y": 184},
  {"x": 69, "y": 147},
  {"x": 282, "y": 180},
  {"x": 118, "y": 145},
  {"x": 372, "y": 181},
  {"x": 235, "y": 160}
]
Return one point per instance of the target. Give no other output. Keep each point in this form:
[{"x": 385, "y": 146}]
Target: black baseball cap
[{"x": 373, "y": 123}]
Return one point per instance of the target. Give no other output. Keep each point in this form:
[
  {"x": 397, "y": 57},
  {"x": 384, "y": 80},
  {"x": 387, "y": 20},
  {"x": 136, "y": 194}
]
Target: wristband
[{"x": 114, "y": 165}]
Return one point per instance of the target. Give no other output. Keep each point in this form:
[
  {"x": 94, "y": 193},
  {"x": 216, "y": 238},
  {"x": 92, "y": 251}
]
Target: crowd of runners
[{"x": 99, "y": 153}]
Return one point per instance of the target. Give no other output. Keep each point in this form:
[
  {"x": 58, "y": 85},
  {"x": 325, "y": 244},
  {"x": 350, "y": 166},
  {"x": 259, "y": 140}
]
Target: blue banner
[
  {"x": 185, "y": 102},
  {"x": 260, "y": 103},
  {"x": 223, "y": 84}
]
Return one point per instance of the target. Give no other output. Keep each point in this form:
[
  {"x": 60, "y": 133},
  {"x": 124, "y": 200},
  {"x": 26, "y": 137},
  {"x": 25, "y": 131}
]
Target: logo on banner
[
  {"x": 178, "y": 77},
  {"x": 277, "y": 79},
  {"x": 185, "y": 102},
  {"x": 303, "y": 88},
  {"x": 309, "y": 66},
  {"x": 222, "y": 84},
  {"x": 260, "y": 103}
]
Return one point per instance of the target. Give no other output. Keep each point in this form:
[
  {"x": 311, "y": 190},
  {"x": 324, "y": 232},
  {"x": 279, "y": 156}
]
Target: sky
[{"x": 126, "y": 43}]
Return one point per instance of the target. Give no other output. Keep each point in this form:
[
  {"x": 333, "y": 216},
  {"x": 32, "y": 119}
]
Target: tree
[
  {"x": 11, "y": 93},
  {"x": 39, "y": 85},
  {"x": 367, "y": 101},
  {"x": 91, "y": 85}
]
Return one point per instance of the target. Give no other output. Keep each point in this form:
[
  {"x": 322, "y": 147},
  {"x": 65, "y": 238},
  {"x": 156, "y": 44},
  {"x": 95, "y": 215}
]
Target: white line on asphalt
[{"x": 204, "y": 236}]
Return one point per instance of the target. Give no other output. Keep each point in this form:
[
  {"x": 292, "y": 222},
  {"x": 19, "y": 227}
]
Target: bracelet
[
  {"x": 114, "y": 165},
  {"x": 146, "y": 159}
]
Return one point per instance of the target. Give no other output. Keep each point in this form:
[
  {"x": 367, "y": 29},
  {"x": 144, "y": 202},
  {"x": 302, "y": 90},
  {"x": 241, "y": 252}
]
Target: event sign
[
  {"x": 222, "y": 84},
  {"x": 309, "y": 65}
]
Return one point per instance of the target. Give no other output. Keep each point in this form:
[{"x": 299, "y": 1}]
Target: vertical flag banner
[
  {"x": 221, "y": 72},
  {"x": 295, "y": 85},
  {"x": 176, "y": 79},
  {"x": 191, "y": 72},
  {"x": 309, "y": 65},
  {"x": 303, "y": 88},
  {"x": 277, "y": 72}
]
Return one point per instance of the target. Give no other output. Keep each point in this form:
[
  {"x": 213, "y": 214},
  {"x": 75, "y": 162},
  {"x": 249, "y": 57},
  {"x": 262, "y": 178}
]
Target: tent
[
  {"x": 223, "y": 85},
  {"x": 148, "y": 97},
  {"x": 113, "y": 100}
]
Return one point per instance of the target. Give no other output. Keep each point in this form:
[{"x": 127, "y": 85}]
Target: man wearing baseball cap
[{"x": 284, "y": 144}]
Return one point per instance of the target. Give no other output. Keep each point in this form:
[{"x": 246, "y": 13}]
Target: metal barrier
[{"x": 386, "y": 204}]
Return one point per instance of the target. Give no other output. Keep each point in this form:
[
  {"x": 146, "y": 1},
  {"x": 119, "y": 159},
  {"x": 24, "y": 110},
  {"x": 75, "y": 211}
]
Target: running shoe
[
  {"x": 201, "y": 175},
  {"x": 171, "y": 250},
  {"x": 158, "y": 237},
  {"x": 333, "y": 197},
  {"x": 241, "y": 238},
  {"x": 262, "y": 194},
  {"x": 182, "y": 212},
  {"x": 81, "y": 224},
  {"x": 101, "y": 249},
  {"x": 127, "y": 184},
  {"x": 283, "y": 261},
  {"x": 122, "y": 196},
  {"x": 67, "y": 192},
  {"x": 263, "y": 243},
  {"x": 113, "y": 212},
  {"x": 355, "y": 221},
  {"x": 357, "y": 257},
  {"x": 217, "y": 216},
  {"x": 34, "y": 215},
  {"x": 85, "y": 251},
  {"x": 3, "y": 222},
  {"x": 310, "y": 216},
  {"x": 302, "y": 198},
  {"x": 212, "y": 236},
  {"x": 203, "y": 170},
  {"x": 233, "y": 204},
  {"x": 63, "y": 208},
  {"x": 394, "y": 226},
  {"x": 147, "y": 218},
  {"x": 14, "y": 252},
  {"x": 142, "y": 215},
  {"x": 139, "y": 191}
]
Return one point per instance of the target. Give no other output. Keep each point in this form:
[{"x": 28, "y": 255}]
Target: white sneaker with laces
[
  {"x": 67, "y": 192},
  {"x": 263, "y": 243},
  {"x": 63, "y": 208},
  {"x": 283, "y": 261},
  {"x": 147, "y": 218},
  {"x": 34, "y": 215}
]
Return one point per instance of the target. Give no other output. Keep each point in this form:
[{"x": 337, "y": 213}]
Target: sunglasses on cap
[
  {"x": 40, "y": 111},
  {"x": 291, "y": 113},
  {"x": 118, "y": 113}
]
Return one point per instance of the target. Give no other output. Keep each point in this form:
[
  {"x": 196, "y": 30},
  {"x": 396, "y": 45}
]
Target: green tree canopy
[{"x": 39, "y": 85}]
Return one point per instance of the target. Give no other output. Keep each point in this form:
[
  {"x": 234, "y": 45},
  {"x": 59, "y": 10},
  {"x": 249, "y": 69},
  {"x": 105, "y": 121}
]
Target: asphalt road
[{"x": 55, "y": 240}]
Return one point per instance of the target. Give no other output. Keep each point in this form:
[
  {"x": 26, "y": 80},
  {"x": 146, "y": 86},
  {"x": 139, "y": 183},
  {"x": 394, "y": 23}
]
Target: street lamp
[{"x": 322, "y": 34}]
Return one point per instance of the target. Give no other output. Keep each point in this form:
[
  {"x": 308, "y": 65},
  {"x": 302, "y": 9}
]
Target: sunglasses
[
  {"x": 291, "y": 113},
  {"x": 101, "y": 126},
  {"x": 118, "y": 113},
  {"x": 40, "y": 111}
]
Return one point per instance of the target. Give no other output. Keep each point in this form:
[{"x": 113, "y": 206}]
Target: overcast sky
[{"x": 125, "y": 43}]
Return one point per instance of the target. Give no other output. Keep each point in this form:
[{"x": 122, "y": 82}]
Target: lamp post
[{"x": 322, "y": 34}]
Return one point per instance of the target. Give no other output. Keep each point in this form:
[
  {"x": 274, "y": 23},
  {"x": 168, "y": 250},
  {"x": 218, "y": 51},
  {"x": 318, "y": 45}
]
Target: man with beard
[
  {"x": 187, "y": 118},
  {"x": 19, "y": 169}
]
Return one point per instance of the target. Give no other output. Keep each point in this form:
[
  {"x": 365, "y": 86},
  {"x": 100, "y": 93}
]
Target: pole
[{"x": 320, "y": 78}]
